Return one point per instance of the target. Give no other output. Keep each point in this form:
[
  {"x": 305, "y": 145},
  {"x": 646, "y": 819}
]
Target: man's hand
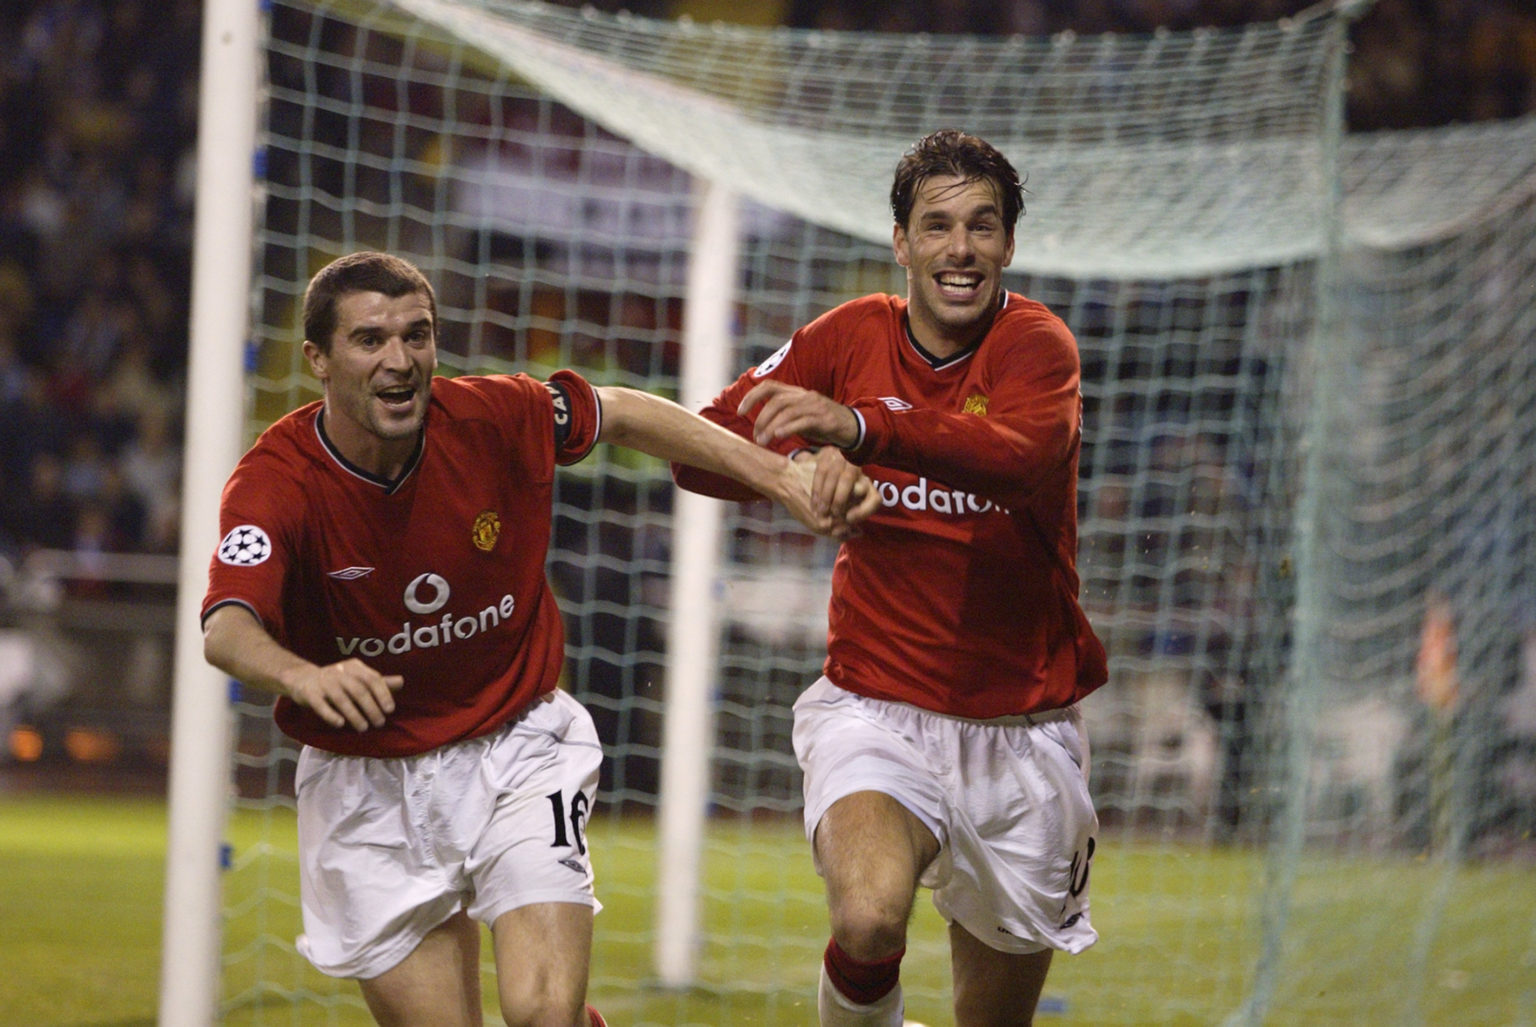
[
  {"x": 349, "y": 693},
  {"x": 840, "y": 493},
  {"x": 787, "y": 410}
]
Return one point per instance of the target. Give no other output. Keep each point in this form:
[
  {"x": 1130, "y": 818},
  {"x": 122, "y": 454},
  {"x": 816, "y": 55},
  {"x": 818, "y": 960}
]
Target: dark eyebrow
[
  {"x": 986, "y": 210},
  {"x": 420, "y": 324}
]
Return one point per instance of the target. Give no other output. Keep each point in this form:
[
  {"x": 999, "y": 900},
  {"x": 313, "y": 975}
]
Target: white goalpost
[
  {"x": 220, "y": 325},
  {"x": 1308, "y": 421},
  {"x": 694, "y": 624}
]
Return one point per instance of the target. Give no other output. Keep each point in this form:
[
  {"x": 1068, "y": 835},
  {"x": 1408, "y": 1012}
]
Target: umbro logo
[
  {"x": 573, "y": 864},
  {"x": 895, "y": 403},
  {"x": 350, "y": 573}
]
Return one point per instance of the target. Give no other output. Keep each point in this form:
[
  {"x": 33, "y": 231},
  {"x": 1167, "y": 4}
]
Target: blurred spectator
[
  {"x": 47, "y": 519},
  {"x": 151, "y": 465},
  {"x": 85, "y": 469},
  {"x": 132, "y": 388},
  {"x": 127, "y": 514},
  {"x": 14, "y": 375},
  {"x": 92, "y": 539},
  {"x": 98, "y": 102},
  {"x": 31, "y": 426}
]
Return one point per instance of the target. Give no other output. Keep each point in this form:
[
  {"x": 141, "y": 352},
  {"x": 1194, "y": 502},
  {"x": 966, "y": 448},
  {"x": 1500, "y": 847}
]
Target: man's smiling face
[
  {"x": 378, "y": 376},
  {"x": 954, "y": 247}
]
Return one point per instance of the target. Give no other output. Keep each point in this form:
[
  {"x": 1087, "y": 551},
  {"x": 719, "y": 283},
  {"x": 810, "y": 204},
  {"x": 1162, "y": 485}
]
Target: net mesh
[{"x": 1221, "y": 254}]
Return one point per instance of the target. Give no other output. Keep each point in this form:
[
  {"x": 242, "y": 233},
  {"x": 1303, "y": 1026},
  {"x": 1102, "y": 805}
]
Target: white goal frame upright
[{"x": 220, "y": 326}]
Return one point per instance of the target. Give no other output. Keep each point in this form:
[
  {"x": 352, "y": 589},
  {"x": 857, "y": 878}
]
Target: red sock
[
  {"x": 597, "y": 1020},
  {"x": 862, "y": 983}
]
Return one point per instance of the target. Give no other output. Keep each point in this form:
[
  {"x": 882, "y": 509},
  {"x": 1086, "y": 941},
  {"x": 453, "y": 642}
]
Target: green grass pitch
[{"x": 81, "y": 883}]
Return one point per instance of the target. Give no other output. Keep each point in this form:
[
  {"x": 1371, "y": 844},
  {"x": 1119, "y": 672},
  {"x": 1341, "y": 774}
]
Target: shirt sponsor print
[
  {"x": 924, "y": 495},
  {"x": 425, "y": 596}
]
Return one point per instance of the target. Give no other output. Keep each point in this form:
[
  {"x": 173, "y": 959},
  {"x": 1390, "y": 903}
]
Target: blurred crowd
[{"x": 98, "y": 105}]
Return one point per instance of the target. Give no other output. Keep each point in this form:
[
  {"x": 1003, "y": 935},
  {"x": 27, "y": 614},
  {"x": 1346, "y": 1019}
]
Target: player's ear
[
  {"x": 317, "y": 361},
  {"x": 900, "y": 247}
]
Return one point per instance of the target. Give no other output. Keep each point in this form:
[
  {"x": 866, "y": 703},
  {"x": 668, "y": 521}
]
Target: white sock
[{"x": 837, "y": 1010}]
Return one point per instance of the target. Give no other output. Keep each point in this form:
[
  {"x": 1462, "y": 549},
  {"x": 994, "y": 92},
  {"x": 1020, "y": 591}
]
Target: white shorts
[
  {"x": 391, "y": 848},
  {"x": 1007, "y": 799}
]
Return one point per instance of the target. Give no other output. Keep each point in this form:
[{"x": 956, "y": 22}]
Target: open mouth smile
[
  {"x": 397, "y": 397},
  {"x": 960, "y": 285}
]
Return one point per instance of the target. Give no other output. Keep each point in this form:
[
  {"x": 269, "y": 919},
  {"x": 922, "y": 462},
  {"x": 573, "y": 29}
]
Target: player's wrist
[{"x": 852, "y": 434}]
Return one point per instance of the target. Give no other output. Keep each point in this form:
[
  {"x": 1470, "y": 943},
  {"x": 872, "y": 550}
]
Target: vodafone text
[
  {"x": 925, "y": 495},
  {"x": 450, "y": 628}
]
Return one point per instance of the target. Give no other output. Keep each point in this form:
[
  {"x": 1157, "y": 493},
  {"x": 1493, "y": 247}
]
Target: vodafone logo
[
  {"x": 924, "y": 495},
  {"x": 427, "y": 593},
  {"x": 425, "y": 596}
]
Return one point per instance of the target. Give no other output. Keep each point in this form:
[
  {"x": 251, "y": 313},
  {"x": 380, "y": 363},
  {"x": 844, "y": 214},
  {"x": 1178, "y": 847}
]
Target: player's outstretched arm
[
  {"x": 664, "y": 429},
  {"x": 346, "y": 694}
]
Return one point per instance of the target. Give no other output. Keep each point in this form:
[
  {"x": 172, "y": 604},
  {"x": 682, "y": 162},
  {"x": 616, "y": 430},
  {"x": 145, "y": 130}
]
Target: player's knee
[
  {"x": 546, "y": 1017},
  {"x": 541, "y": 1001},
  {"x": 870, "y": 931}
]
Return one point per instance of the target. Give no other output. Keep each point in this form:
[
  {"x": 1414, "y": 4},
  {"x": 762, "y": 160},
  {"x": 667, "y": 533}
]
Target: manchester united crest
[{"x": 486, "y": 531}]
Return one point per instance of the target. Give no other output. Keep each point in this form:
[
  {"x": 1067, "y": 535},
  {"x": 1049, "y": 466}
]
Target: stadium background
[{"x": 97, "y": 120}]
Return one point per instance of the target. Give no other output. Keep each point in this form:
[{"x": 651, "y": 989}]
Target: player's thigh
[
  {"x": 871, "y": 850},
  {"x": 438, "y": 983},
  {"x": 992, "y": 988},
  {"x": 543, "y": 956}
]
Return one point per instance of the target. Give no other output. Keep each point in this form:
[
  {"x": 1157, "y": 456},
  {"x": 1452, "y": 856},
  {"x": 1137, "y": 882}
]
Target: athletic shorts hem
[
  {"x": 489, "y": 913},
  {"x": 377, "y": 963}
]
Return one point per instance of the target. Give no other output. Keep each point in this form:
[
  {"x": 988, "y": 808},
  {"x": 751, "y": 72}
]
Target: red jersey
[
  {"x": 960, "y": 594},
  {"x": 437, "y": 576}
]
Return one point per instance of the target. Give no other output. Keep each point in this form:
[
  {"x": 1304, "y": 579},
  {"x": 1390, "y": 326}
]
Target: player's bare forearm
[
  {"x": 349, "y": 693},
  {"x": 235, "y": 642},
  {"x": 706, "y": 483},
  {"x": 664, "y": 429}
]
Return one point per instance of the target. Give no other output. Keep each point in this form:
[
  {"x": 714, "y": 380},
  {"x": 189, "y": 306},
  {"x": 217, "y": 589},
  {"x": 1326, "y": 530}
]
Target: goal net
[{"x": 1306, "y": 486}]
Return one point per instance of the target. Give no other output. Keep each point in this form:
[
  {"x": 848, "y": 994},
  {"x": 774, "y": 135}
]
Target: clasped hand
[{"x": 840, "y": 495}]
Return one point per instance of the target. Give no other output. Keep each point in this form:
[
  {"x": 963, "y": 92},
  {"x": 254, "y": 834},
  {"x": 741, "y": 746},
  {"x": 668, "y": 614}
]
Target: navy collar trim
[
  {"x": 940, "y": 363},
  {"x": 389, "y": 486}
]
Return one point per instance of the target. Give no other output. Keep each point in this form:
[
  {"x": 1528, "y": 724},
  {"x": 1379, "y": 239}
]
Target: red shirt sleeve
[
  {"x": 261, "y": 516},
  {"x": 1032, "y": 419}
]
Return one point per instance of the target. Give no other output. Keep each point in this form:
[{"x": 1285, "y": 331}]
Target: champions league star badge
[{"x": 245, "y": 546}]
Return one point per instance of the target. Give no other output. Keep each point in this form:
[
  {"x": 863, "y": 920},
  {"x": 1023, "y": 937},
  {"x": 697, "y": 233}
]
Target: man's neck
[
  {"x": 385, "y": 459},
  {"x": 941, "y": 345}
]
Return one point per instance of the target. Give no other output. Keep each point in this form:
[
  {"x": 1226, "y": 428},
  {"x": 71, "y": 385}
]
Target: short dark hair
[
  {"x": 359, "y": 272},
  {"x": 968, "y": 157}
]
